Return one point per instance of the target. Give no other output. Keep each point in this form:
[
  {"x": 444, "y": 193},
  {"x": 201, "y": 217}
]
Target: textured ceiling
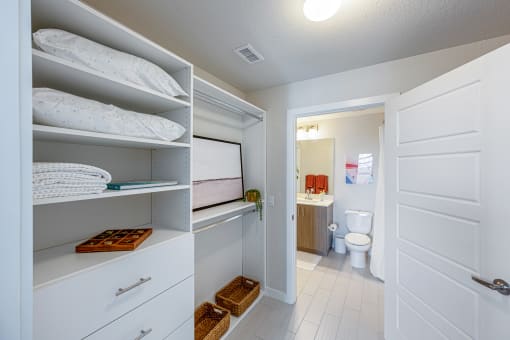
[{"x": 362, "y": 33}]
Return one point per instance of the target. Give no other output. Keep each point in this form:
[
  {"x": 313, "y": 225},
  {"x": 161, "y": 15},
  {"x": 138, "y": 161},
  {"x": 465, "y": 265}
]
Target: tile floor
[{"x": 335, "y": 302}]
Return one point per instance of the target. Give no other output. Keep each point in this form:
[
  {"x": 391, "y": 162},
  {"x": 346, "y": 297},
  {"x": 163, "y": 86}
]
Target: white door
[{"x": 448, "y": 205}]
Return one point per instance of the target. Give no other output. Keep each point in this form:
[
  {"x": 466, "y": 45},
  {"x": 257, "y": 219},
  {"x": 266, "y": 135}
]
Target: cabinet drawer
[
  {"x": 185, "y": 332},
  {"x": 75, "y": 307},
  {"x": 157, "y": 318}
]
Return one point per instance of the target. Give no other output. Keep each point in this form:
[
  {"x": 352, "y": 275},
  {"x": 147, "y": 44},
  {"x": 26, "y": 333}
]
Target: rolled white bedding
[
  {"x": 67, "y": 191},
  {"x": 60, "y": 109},
  {"x": 75, "y": 170},
  {"x": 67, "y": 179}
]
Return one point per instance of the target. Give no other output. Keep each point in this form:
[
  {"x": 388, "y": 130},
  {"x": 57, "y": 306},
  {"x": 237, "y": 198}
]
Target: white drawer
[
  {"x": 157, "y": 317},
  {"x": 185, "y": 332},
  {"x": 75, "y": 307}
]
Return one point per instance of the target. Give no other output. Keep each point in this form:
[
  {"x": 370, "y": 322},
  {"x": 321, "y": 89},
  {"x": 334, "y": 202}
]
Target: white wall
[
  {"x": 352, "y": 135},
  {"x": 316, "y": 157},
  {"x": 390, "y": 77}
]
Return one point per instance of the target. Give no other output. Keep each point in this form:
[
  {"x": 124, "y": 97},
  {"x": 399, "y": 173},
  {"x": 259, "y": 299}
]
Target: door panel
[
  {"x": 452, "y": 175},
  {"x": 414, "y": 325},
  {"x": 450, "y": 114},
  {"x": 447, "y": 202},
  {"x": 455, "y": 302},
  {"x": 451, "y": 237},
  {"x": 495, "y": 308}
]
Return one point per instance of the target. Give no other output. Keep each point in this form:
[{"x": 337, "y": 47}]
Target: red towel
[
  {"x": 310, "y": 182},
  {"x": 321, "y": 184}
]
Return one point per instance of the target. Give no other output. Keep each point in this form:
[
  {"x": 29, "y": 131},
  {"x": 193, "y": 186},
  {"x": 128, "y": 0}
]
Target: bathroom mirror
[
  {"x": 359, "y": 169},
  {"x": 313, "y": 158}
]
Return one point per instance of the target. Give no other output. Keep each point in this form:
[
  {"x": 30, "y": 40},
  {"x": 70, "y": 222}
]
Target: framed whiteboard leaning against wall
[{"x": 217, "y": 172}]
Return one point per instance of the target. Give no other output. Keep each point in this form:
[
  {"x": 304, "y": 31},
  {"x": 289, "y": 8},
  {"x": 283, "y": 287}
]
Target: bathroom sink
[
  {"x": 309, "y": 200},
  {"x": 315, "y": 201}
]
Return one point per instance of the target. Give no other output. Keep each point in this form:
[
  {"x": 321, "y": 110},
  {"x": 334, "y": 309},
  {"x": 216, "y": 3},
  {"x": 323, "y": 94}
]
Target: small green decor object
[{"x": 253, "y": 195}]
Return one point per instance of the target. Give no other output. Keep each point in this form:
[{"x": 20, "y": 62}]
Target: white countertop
[{"x": 315, "y": 200}]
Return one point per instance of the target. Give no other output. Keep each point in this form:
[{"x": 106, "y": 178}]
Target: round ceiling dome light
[{"x": 320, "y": 10}]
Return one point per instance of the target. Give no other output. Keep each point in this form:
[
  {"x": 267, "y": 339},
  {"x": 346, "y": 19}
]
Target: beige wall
[
  {"x": 395, "y": 76},
  {"x": 316, "y": 158}
]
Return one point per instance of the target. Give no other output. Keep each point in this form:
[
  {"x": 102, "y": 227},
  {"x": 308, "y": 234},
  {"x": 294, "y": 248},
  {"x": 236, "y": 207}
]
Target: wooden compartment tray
[
  {"x": 238, "y": 295},
  {"x": 115, "y": 240},
  {"x": 211, "y": 321}
]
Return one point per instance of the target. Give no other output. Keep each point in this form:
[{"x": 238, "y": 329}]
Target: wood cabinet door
[
  {"x": 312, "y": 228},
  {"x": 311, "y": 219},
  {"x": 305, "y": 230},
  {"x": 299, "y": 224},
  {"x": 321, "y": 227}
]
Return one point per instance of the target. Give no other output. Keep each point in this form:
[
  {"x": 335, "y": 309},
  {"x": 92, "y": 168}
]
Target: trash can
[
  {"x": 340, "y": 244},
  {"x": 340, "y": 239}
]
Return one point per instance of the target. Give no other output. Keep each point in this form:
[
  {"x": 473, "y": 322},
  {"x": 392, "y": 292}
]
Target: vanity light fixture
[
  {"x": 320, "y": 10},
  {"x": 308, "y": 131}
]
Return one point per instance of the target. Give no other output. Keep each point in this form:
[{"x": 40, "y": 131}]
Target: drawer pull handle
[
  {"x": 143, "y": 334},
  {"x": 134, "y": 285}
]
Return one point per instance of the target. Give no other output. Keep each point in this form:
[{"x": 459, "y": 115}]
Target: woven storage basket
[
  {"x": 238, "y": 295},
  {"x": 211, "y": 321}
]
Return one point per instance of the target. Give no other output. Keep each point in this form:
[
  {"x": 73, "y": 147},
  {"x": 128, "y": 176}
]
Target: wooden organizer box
[{"x": 115, "y": 240}]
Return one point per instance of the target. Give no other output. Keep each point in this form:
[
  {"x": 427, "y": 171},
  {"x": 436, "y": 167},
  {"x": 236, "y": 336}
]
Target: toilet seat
[{"x": 357, "y": 239}]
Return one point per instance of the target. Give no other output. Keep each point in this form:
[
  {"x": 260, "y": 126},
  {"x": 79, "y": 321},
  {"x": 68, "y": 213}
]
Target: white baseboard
[{"x": 276, "y": 294}]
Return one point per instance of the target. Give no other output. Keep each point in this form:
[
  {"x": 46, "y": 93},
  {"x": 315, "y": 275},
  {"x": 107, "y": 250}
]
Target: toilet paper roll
[{"x": 333, "y": 227}]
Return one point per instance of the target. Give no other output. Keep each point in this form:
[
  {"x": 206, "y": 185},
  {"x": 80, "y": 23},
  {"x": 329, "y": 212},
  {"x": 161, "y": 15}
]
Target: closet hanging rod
[
  {"x": 229, "y": 107},
  {"x": 215, "y": 224}
]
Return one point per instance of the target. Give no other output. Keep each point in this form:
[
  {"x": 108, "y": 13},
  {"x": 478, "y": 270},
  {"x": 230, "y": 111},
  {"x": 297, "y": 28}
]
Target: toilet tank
[{"x": 359, "y": 221}]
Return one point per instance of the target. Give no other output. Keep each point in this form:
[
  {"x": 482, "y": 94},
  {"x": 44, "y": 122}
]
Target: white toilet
[{"x": 359, "y": 224}]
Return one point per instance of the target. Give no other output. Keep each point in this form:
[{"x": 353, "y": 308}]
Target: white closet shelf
[
  {"x": 56, "y": 134},
  {"x": 234, "y": 320},
  {"x": 54, "y": 72},
  {"x": 201, "y": 217},
  {"x": 57, "y": 263},
  {"x": 214, "y": 95},
  {"x": 109, "y": 194},
  {"x": 79, "y": 18}
]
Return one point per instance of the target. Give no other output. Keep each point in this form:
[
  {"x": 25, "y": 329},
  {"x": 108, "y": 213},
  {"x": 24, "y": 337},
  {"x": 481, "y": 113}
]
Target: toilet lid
[{"x": 357, "y": 239}]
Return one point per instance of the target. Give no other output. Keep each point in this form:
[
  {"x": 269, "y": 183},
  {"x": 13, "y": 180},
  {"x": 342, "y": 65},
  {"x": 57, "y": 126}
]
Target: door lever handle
[{"x": 499, "y": 285}]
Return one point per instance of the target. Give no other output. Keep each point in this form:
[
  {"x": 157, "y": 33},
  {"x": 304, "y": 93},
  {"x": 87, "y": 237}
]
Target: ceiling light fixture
[{"x": 320, "y": 10}]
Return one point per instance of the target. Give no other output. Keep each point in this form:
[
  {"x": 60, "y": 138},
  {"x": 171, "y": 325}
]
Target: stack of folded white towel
[{"x": 67, "y": 179}]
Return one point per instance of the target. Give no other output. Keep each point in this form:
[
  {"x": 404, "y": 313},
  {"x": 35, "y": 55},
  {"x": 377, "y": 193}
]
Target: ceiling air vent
[{"x": 248, "y": 54}]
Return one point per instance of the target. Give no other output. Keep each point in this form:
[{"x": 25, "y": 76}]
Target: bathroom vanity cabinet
[{"x": 313, "y": 234}]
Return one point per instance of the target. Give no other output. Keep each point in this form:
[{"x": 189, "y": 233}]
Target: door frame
[
  {"x": 16, "y": 199},
  {"x": 292, "y": 116}
]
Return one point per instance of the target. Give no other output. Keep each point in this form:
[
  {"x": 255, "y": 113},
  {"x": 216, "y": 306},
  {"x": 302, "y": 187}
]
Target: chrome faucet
[{"x": 308, "y": 192}]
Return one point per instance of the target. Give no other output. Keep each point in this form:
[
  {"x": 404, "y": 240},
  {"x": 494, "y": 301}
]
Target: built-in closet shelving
[
  {"x": 189, "y": 256},
  {"x": 109, "y": 194},
  {"x": 224, "y": 211},
  {"x": 75, "y": 294},
  {"x": 239, "y": 113},
  {"x": 60, "y": 262},
  {"x": 230, "y": 238},
  {"x": 58, "y": 73},
  {"x": 56, "y": 134}
]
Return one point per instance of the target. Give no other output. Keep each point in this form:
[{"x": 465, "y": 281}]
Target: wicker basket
[
  {"x": 238, "y": 295},
  {"x": 211, "y": 321}
]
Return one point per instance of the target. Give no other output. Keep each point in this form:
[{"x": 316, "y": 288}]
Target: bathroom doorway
[{"x": 330, "y": 294}]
